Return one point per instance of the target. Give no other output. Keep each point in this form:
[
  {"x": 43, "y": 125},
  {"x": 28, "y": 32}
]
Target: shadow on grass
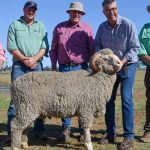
[
  {"x": 53, "y": 131},
  {"x": 3, "y": 127}
]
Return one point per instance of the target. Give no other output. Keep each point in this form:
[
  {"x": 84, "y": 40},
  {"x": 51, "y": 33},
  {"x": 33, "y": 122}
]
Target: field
[{"x": 53, "y": 126}]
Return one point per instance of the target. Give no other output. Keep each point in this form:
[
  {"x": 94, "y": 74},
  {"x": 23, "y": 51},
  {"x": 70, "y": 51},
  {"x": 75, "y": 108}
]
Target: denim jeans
[
  {"x": 66, "y": 122},
  {"x": 19, "y": 69},
  {"x": 125, "y": 78}
]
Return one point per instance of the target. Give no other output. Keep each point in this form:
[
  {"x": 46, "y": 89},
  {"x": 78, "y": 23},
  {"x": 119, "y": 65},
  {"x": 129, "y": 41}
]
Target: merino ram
[{"x": 56, "y": 94}]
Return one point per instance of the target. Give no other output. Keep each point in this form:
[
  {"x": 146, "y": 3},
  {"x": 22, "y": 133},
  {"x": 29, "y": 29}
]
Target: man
[
  {"x": 144, "y": 54},
  {"x": 72, "y": 46},
  {"x": 2, "y": 56},
  {"x": 27, "y": 42},
  {"x": 119, "y": 34}
]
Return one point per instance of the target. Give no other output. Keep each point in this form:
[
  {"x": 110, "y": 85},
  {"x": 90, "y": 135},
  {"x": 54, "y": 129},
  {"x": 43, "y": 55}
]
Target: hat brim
[
  {"x": 83, "y": 13},
  {"x": 148, "y": 8}
]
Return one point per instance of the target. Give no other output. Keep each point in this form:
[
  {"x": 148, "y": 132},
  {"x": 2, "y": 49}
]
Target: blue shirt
[{"x": 122, "y": 39}]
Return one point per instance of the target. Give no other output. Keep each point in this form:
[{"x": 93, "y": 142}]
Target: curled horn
[{"x": 93, "y": 62}]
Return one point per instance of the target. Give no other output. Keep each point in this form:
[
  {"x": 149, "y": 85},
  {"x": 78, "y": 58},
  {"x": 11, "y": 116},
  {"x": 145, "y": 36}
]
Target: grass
[{"x": 97, "y": 131}]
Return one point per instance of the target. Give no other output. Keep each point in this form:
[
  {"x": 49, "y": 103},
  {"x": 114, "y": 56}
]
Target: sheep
[{"x": 56, "y": 94}]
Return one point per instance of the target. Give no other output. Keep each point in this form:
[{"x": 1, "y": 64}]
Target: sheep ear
[{"x": 94, "y": 64}]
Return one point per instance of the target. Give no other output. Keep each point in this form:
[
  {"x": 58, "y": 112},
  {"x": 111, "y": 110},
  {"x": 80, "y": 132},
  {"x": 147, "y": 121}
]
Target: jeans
[
  {"x": 147, "y": 85},
  {"x": 66, "y": 122},
  {"x": 125, "y": 78},
  {"x": 19, "y": 69}
]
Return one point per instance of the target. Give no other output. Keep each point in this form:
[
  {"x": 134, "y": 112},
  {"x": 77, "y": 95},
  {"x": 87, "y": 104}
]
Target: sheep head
[{"x": 105, "y": 61}]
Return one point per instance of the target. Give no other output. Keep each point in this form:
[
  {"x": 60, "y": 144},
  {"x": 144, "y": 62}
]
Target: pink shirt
[
  {"x": 71, "y": 44},
  {"x": 2, "y": 54}
]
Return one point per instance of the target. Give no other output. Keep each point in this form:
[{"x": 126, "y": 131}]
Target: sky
[{"x": 52, "y": 12}]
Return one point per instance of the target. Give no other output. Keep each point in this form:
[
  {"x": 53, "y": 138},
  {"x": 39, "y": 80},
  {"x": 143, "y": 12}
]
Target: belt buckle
[{"x": 72, "y": 64}]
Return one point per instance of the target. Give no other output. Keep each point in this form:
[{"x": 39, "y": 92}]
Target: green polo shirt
[
  {"x": 28, "y": 39},
  {"x": 144, "y": 38}
]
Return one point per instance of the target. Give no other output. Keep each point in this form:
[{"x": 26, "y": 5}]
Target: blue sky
[{"x": 52, "y": 12}]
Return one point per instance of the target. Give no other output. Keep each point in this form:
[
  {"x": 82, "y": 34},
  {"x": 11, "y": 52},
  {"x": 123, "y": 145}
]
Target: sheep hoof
[{"x": 24, "y": 145}]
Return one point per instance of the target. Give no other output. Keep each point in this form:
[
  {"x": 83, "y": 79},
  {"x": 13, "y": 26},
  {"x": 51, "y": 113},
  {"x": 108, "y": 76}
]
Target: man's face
[
  {"x": 111, "y": 13},
  {"x": 75, "y": 16},
  {"x": 30, "y": 13}
]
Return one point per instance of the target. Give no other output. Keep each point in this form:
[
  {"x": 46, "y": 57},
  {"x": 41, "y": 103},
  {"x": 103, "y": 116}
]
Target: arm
[
  {"x": 12, "y": 44},
  {"x": 144, "y": 46},
  {"x": 98, "y": 44},
  {"x": 90, "y": 43},
  {"x": 43, "y": 51},
  {"x": 133, "y": 45},
  {"x": 54, "y": 50},
  {"x": 2, "y": 56}
]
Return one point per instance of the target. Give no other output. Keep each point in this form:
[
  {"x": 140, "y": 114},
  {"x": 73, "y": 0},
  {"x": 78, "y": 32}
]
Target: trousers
[{"x": 19, "y": 69}]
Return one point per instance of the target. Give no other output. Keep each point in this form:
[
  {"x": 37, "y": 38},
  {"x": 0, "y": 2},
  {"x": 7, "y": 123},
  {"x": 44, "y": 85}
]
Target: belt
[{"x": 71, "y": 64}]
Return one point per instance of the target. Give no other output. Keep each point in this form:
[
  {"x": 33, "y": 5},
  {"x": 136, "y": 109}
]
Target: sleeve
[
  {"x": 54, "y": 49},
  {"x": 45, "y": 44},
  {"x": 142, "y": 50},
  {"x": 91, "y": 49},
  {"x": 133, "y": 44},
  {"x": 98, "y": 44},
  {"x": 2, "y": 53},
  {"x": 11, "y": 40}
]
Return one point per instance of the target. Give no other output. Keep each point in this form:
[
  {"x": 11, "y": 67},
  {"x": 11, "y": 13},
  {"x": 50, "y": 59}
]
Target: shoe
[
  {"x": 126, "y": 144},
  {"x": 65, "y": 136},
  {"x": 146, "y": 137},
  {"x": 107, "y": 139}
]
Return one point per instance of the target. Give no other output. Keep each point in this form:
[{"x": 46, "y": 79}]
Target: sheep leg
[
  {"x": 16, "y": 133},
  {"x": 24, "y": 139},
  {"x": 87, "y": 139}
]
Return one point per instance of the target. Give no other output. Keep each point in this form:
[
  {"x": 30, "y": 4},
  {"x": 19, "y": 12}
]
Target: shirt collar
[
  {"x": 21, "y": 19},
  {"x": 77, "y": 25},
  {"x": 117, "y": 23}
]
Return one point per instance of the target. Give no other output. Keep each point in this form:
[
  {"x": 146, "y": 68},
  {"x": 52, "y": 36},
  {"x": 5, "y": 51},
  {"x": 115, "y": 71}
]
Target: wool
[{"x": 58, "y": 94}]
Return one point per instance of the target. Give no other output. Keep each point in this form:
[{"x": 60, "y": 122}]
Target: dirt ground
[{"x": 53, "y": 129}]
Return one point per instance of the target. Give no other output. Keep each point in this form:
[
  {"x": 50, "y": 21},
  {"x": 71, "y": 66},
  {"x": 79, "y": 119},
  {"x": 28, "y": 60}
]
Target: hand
[
  {"x": 30, "y": 62},
  {"x": 124, "y": 62}
]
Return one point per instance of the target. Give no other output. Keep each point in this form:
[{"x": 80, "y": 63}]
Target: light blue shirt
[{"x": 122, "y": 39}]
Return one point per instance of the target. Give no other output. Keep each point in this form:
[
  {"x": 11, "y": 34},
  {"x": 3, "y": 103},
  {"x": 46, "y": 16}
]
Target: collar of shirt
[
  {"x": 117, "y": 23},
  {"x": 68, "y": 23},
  {"x": 21, "y": 20}
]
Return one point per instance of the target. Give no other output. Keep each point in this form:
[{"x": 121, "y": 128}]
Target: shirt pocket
[
  {"x": 37, "y": 33},
  {"x": 121, "y": 40},
  {"x": 79, "y": 39},
  {"x": 146, "y": 38},
  {"x": 20, "y": 33},
  {"x": 62, "y": 37}
]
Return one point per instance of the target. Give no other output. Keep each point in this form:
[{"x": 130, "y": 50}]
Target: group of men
[{"x": 72, "y": 46}]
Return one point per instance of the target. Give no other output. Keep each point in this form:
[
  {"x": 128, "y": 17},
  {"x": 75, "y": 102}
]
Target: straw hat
[{"x": 76, "y": 6}]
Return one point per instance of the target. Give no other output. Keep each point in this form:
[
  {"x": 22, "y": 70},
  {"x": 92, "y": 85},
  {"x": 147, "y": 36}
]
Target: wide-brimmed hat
[
  {"x": 76, "y": 6},
  {"x": 30, "y": 4},
  {"x": 148, "y": 8}
]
